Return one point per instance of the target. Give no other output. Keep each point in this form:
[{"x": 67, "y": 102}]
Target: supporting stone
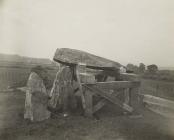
[{"x": 80, "y": 86}]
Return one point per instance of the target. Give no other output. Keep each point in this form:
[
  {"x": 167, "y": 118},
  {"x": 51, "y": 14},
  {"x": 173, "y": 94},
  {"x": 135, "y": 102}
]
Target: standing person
[
  {"x": 62, "y": 93},
  {"x": 36, "y": 96}
]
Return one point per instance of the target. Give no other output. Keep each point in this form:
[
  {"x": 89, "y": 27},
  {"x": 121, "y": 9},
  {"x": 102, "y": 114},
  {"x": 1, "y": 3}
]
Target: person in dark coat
[{"x": 62, "y": 93}]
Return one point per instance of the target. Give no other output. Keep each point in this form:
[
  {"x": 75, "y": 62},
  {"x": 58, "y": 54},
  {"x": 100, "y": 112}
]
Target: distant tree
[
  {"x": 142, "y": 68},
  {"x": 132, "y": 67},
  {"x": 152, "y": 68}
]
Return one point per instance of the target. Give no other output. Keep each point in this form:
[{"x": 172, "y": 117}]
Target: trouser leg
[{"x": 65, "y": 102}]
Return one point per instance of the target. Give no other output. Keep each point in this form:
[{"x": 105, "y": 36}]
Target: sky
[{"x": 126, "y": 31}]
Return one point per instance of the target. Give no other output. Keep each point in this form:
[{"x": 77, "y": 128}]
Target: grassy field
[
  {"x": 11, "y": 108},
  {"x": 111, "y": 124},
  {"x": 18, "y": 76}
]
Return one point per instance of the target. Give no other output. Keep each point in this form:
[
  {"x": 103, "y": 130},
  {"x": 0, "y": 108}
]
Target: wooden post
[
  {"x": 99, "y": 105},
  {"x": 89, "y": 104},
  {"x": 134, "y": 98},
  {"x": 109, "y": 97},
  {"x": 127, "y": 96},
  {"x": 80, "y": 87}
]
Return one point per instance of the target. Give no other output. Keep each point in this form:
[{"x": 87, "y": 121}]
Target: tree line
[
  {"x": 151, "y": 72},
  {"x": 142, "y": 68}
]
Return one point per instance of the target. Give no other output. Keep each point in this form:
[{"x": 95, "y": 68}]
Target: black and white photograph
[{"x": 86, "y": 70}]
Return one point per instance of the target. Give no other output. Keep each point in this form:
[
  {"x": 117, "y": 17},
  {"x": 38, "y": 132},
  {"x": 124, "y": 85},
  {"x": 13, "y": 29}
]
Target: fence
[
  {"x": 158, "y": 88},
  {"x": 11, "y": 76},
  {"x": 12, "y": 103},
  {"x": 159, "y": 105}
]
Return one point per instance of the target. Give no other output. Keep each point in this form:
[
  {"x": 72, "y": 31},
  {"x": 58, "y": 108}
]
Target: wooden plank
[
  {"x": 135, "y": 99},
  {"x": 110, "y": 97},
  {"x": 87, "y": 78},
  {"x": 158, "y": 101},
  {"x": 116, "y": 84},
  {"x": 129, "y": 77},
  {"x": 80, "y": 87},
  {"x": 99, "y": 105},
  {"x": 89, "y": 104},
  {"x": 127, "y": 96},
  {"x": 161, "y": 110}
]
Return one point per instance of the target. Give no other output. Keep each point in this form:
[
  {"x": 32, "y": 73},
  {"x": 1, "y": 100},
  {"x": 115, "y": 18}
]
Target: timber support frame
[{"x": 105, "y": 90}]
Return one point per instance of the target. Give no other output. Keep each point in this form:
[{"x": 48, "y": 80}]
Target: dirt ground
[{"x": 111, "y": 124}]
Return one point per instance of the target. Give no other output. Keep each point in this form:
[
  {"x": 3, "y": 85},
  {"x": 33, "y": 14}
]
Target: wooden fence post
[
  {"x": 134, "y": 99},
  {"x": 126, "y": 96},
  {"x": 89, "y": 104},
  {"x": 80, "y": 86}
]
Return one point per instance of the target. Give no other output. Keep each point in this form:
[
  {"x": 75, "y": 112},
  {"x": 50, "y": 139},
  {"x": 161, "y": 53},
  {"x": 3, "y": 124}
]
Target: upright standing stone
[{"x": 36, "y": 99}]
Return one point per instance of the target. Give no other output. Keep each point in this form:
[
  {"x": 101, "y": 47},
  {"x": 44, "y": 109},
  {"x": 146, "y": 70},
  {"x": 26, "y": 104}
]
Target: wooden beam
[
  {"x": 127, "y": 96},
  {"x": 129, "y": 77},
  {"x": 89, "y": 104},
  {"x": 99, "y": 105},
  {"x": 87, "y": 78},
  {"x": 115, "y": 84},
  {"x": 149, "y": 99},
  {"x": 80, "y": 86},
  {"x": 135, "y": 99},
  {"x": 110, "y": 97}
]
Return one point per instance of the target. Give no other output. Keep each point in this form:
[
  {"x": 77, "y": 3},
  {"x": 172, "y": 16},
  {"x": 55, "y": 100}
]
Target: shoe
[{"x": 65, "y": 115}]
